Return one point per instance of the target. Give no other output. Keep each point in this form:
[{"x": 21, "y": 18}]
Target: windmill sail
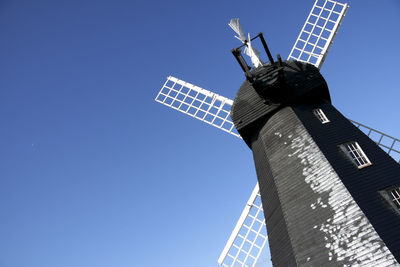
[
  {"x": 197, "y": 102},
  {"x": 249, "y": 236},
  {"x": 319, "y": 30}
]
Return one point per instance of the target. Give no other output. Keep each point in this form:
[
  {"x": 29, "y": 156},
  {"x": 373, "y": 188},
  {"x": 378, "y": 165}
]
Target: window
[
  {"x": 356, "y": 154},
  {"x": 320, "y": 115},
  {"x": 392, "y": 197},
  {"x": 395, "y": 195}
]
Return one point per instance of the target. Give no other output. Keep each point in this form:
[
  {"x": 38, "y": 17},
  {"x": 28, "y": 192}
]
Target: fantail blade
[{"x": 235, "y": 25}]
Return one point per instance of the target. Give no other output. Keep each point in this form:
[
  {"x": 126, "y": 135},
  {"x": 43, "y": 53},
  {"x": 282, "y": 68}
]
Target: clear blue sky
[{"x": 94, "y": 173}]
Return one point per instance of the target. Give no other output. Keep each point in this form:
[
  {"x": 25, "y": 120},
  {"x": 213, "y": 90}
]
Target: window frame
[
  {"x": 395, "y": 199},
  {"x": 394, "y": 202},
  {"x": 320, "y": 114},
  {"x": 356, "y": 154}
]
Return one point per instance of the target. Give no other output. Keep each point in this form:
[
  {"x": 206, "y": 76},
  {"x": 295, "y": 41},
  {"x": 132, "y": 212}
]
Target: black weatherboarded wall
[
  {"x": 320, "y": 208},
  {"x": 365, "y": 185}
]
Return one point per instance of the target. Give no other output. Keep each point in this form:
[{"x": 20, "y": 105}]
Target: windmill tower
[{"x": 267, "y": 131}]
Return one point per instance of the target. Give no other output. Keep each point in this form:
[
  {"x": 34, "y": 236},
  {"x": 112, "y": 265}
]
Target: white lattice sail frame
[
  {"x": 249, "y": 236},
  {"x": 319, "y": 30},
  {"x": 197, "y": 102}
]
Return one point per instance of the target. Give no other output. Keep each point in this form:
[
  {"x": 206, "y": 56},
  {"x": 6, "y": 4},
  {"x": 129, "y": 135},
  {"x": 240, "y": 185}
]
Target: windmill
[{"x": 214, "y": 109}]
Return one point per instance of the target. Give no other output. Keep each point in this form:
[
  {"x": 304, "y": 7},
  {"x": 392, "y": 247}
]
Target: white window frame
[
  {"x": 395, "y": 196},
  {"x": 355, "y": 153},
  {"x": 320, "y": 115}
]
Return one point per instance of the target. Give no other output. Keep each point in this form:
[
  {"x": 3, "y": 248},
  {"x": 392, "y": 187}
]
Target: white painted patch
[{"x": 349, "y": 235}]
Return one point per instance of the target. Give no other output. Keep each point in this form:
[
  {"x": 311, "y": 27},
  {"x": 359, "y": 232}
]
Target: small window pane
[
  {"x": 356, "y": 154},
  {"x": 320, "y": 115},
  {"x": 395, "y": 194}
]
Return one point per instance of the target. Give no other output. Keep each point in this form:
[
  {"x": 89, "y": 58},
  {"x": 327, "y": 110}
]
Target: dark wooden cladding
[
  {"x": 320, "y": 208},
  {"x": 302, "y": 81},
  {"x": 276, "y": 224},
  {"x": 363, "y": 184}
]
